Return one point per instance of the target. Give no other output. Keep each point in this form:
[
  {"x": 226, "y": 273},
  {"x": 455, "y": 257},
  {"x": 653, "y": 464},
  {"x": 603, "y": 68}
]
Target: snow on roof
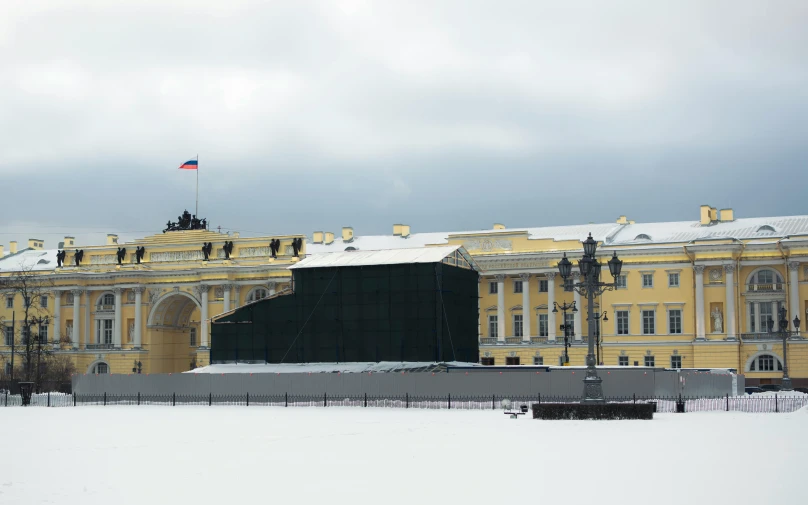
[
  {"x": 607, "y": 233},
  {"x": 29, "y": 259},
  {"x": 380, "y": 257}
]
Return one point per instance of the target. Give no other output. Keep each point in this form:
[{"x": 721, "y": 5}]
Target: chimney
[
  {"x": 347, "y": 234},
  {"x": 1, "y": 251},
  {"x": 69, "y": 242},
  {"x": 405, "y": 230},
  {"x": 397, "y": 230},
  {"x": 112, "y": 239},
  {"x": 328, "y": 238},
  {"x": 622, "y": 220},
  {"x": 727, "y": 215},
  {"x": 36, "y": 244},
  {"x": 499, "y": 226},
  {"x": 12, "y": 247},
  {"x": 317, "y": 237},
  {"x": 705, "y": 215},
  {"x": 713, "y": 214}
]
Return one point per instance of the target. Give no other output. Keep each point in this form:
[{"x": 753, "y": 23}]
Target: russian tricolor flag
[{"x": 190, "y": 165}]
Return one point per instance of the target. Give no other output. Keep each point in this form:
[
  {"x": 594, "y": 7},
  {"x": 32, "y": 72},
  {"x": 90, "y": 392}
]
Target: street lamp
[
  {"x": 591, "y": 287},
  {"x": 569, "y": 329},
  {"x": 598, "y": 317},
  {"x": 783, "y": 322}
]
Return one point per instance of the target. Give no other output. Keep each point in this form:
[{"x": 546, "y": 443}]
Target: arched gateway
[{"x": 173, "y": 327}]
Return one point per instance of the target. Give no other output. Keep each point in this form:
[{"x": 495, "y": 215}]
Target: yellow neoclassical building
[
  {"x": 152, "y": 308},
  {"x": 692, "y": 294}
]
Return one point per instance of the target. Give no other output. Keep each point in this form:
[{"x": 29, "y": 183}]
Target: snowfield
[{"x": 226, "y": 455}]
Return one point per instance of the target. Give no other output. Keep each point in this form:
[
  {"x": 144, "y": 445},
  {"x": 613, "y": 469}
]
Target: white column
[
  {"x": 526, "y": 324},
  {"x": 729, "y": 321},
  {"x": 271, "y": 286},
  {"x": 794, "y": 293},
  {"x": 551, "y": 319},
  {"x": 226, "y": 289},
  {"x": 236, "y": 301},
  {"x": 479, "y": 308},
  {"x": 138, "y": 337},
  {"x": 758, "y": 329},
  {"x": 500, "y": 307},
  {"x": 57, "y": 317},
  {"x": 700, "y": 332},
  {"x": 74, "y": 338},
  {"x": 88, "y": 325},
  {"x": 579, "y": 328},
  {"x": 203, "y": 324},
  {"x": 116, "y": 328}
]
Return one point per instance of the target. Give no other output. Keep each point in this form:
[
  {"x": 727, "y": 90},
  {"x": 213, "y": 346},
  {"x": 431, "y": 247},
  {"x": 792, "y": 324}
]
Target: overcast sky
[{"x": 445, "y": 115}]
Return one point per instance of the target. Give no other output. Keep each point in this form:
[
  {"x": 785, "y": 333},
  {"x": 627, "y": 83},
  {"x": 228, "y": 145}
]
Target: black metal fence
[{"x": 749, "y": 403}]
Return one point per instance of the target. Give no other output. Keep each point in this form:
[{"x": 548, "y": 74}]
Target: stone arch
[
  {"x": 101, "y": 295},
  {"x": 173, "y": 309},
  {"x": 770, "y": 352},
  {"x": 90, "y": 369},
  {"x": 754, "y": 272}
]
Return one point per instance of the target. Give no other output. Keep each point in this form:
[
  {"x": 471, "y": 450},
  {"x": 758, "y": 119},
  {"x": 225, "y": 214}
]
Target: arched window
[
  {"x": 108, "y": 299},
  {"x": 765, "y": 279},
  {"x": 765, "y": 363},
  {"x": 643, "y": 236},
  {"x": 100, "y": 368},
  {"x": 766, "y": 229},
  {"x": 257, "y": 294}
]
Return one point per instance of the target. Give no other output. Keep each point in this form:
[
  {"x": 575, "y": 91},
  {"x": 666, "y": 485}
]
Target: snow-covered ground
[{"x": 224, "y": 455}]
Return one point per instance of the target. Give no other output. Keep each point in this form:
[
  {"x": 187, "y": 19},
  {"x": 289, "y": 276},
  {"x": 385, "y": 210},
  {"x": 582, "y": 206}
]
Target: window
[
  {"x": 622, "y": 322},
  {"x": 673, "y": 279},
  {"x": 487, "y": 361},
  {"x": 43, "y": 301},
  {"x": 765, "y": 363},
  {"x": 647, "y": 280},
  {"x": 10, "y": 302},
  {"x": 538, "y": 360},
  {"x": 517, "y": 286},
  {"x": 543, "y": 285},
  {"x": 105, "y": 331},
  {"x": 622, "y": 361},
  {"x": 493, "y": 327},
  {"x": 648, "y": 322},
  {"x": 512, "y": 360},
  {"x": 8, "y": 332},
  {"x": 8, "y": 368},
  {"x": 43, "y": 333},
  {"x": 26, "y": 331},
  {"x": 766, "y": 314},
  {"x": 543, "y": 326},
  {"x": 27, "y": 300},
  {"x": 492, "y": 288},
  {"x": 568, "y": 284},
  {"x": 257, "y": 294},
  {"x": 108, "y": 299},
  {"x": 676, "y": 362},
  {"x": 621, "y": 281},
  {"x": 193, "y": 337},
  {"x": 569, "y": 324},
  {"x": 675, "y": 321},
  {"x": 649, "y": 361},
  {"x": 517, "y": 325},
  {"x": 100, "y": 368}
]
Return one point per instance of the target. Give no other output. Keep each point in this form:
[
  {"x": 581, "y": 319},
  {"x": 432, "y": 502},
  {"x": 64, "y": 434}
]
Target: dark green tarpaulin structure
[{"x": 356, "y": 308}]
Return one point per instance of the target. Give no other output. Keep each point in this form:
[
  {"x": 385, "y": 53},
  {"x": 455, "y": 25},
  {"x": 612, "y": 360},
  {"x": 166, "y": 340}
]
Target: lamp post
[
  {"x": 40, "y": 322},
  {"x": 591, "y": 287},
  {"x": 783, "y": 322},
  {"x": 569, "y": 329},
  {"x": 598, "y": 317}
]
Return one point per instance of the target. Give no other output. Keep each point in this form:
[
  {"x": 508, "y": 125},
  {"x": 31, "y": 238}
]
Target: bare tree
[{"x": 28, "y": 335}]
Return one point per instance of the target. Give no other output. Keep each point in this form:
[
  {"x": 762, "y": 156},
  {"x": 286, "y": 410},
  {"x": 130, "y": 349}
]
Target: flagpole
[{"x": 196, "y": 210}]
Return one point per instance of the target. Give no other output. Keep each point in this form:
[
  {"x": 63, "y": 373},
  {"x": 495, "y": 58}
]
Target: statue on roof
[
  {"x": 60, "y": 257},
  {"x": 78, "y": 256},
  {"x": 186, "y": 221},
  {"x": 121, "y": 254},
  {"x": 274, "y": 245},
  {"x": 139, "y": 252}
]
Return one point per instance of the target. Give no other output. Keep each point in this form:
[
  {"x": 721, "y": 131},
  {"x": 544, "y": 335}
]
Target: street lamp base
[
  {"x": 593, "y": 390},
  {"x": 786, "y": 384}
]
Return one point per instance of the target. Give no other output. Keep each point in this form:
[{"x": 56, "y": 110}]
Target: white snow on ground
[{"x": 224, "y": 455}]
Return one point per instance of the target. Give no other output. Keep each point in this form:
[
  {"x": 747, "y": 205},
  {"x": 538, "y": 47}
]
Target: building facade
[
  {"x": 149, "y": 311},
  {"x": 693, "y": 294}
]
